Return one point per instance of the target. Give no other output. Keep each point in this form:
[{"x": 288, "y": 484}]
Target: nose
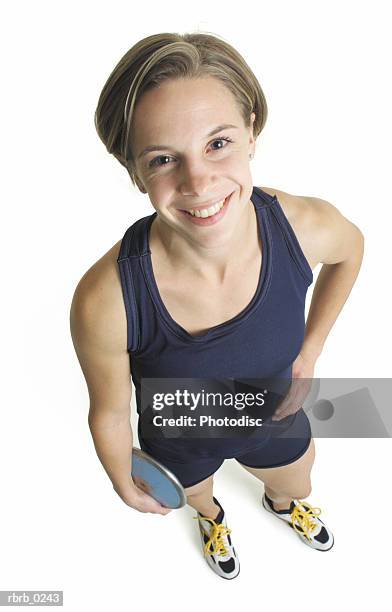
[{"x": 198, "y": 178}]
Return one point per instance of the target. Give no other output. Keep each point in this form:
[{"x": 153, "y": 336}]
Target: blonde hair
[{"x": 159, "y": 57}]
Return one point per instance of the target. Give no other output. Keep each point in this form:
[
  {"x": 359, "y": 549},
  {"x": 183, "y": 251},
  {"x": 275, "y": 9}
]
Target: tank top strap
[
  {"x": 278, "y": 217},
  {"x": 133, "y": 246},
  {"x": 134, "y": 242}
]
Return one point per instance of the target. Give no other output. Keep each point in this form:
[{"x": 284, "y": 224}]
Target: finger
[
  {"x": 286, "y": 402},
  {"x": 295, "y": 398},
  {"x": 284, "y": 410},
  {"x": 152, "y": 505},
  {"x": 288, "y": 398},
  {"x": 296, "y": 401},
  {"x": 281, "y": 415}
]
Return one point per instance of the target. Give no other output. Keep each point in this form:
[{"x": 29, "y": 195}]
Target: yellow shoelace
[
  {"x": 305, "y": 515},
  {"x": 218, "y": 531}
]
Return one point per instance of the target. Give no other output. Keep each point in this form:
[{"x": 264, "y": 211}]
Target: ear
[{"x": 252, "y": 140}]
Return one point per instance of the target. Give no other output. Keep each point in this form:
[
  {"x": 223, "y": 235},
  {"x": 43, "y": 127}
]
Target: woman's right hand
[{"x": 134, "y": 496}]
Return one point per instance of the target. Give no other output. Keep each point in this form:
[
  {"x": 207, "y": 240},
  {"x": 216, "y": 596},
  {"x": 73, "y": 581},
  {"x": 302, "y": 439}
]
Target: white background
[{"x": 325, "y": 72}]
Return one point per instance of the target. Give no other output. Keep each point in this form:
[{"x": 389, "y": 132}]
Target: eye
[
  {"x": 154, "y": 162},
  {"x": 225, "y": 138}
]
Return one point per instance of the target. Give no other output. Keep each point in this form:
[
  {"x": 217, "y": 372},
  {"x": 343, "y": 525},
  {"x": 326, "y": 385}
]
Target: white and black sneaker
[
  {"x": 303, "y": 518},
  {"x": 218, "y": 550}
]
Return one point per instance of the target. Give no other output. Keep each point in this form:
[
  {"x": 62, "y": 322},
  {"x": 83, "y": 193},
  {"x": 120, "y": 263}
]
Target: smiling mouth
[{"x": 201, "y": 213}]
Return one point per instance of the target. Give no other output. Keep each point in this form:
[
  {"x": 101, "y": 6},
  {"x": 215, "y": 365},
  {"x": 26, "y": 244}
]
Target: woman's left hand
[{"x": 302, "y": 375}]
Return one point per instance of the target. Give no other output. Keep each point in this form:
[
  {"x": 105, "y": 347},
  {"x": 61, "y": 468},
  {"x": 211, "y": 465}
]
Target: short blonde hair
[{"x": 159, "y": 57}]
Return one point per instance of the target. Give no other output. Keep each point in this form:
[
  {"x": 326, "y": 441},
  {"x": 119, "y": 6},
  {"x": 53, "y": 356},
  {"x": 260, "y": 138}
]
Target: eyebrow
[{"x": 224, "y": 126}]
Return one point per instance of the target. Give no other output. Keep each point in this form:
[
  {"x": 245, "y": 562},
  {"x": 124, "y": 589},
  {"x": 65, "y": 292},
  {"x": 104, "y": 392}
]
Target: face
[{"x": 194, "y": 165}]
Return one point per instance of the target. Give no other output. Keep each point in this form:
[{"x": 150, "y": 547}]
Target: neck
[{"x": 211, "y": 264}]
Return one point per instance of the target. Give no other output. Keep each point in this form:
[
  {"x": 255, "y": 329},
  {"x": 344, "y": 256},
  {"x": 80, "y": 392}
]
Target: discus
[{"x": 156, "y": 480}]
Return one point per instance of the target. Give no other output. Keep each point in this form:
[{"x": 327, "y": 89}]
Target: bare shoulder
[
  {"x": 323, "y": 232},
  {"x": 99, "y": 334},
  {"x": 299, "y": 214},
  {"x": 292, "y": 205},
  {"x": 98, "y": 301}
]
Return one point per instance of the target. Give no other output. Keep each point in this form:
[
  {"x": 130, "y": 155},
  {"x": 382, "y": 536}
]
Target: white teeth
[{"x": 208, "y": 212}]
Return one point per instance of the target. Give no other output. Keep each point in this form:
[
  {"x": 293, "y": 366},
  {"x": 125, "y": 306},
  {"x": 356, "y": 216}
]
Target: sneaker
[
  {"x": 303, "y": 518},
  {"x": 218, "y": 550}
]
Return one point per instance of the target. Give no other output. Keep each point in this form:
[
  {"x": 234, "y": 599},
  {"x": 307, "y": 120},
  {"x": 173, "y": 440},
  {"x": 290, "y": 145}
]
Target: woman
[{"x": 212, "y": 284}]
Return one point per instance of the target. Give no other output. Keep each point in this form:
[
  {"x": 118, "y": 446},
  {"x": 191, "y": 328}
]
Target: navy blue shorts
[{"x": 192, "y": 461}]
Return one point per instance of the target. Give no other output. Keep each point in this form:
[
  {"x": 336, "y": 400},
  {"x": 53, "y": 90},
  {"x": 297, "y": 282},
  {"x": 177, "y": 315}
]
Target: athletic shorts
[{"x": 194, "y": 460}]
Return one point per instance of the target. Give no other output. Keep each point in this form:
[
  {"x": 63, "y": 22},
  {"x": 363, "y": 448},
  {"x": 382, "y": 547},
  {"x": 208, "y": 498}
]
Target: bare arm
[
  {"x": 98, "y": 329},
  {"x": 329, "y": 238},
  {"x": 339, "y": 245}
]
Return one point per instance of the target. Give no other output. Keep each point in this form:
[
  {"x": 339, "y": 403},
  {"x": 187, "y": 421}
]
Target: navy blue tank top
[{"x": 261, "y": 341}]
